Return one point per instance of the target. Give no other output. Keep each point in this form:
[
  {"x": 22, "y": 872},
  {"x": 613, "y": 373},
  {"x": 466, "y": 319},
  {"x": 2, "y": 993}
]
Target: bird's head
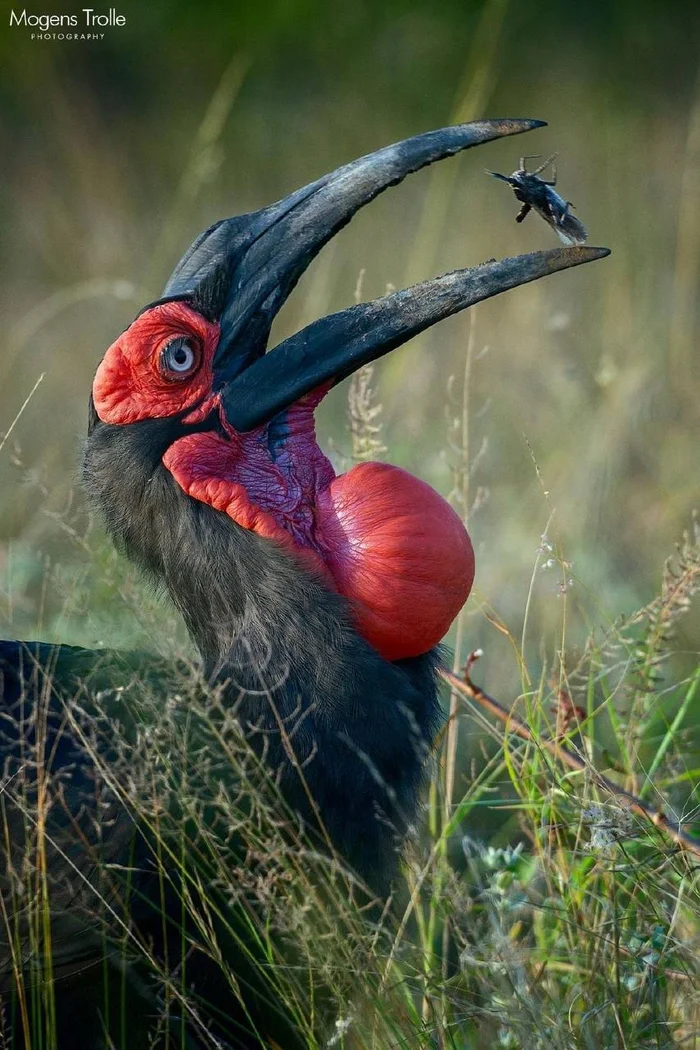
[{"x": 223, "y": 421}]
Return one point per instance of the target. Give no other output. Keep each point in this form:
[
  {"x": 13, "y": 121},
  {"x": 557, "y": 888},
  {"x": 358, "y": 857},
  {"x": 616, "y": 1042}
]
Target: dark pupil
[{"x": 178, "y": 354}]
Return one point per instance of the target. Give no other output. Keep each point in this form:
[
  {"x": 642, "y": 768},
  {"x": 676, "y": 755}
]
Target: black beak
[{"x": 241, "y": 270}]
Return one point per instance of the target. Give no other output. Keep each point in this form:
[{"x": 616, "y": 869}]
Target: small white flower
[
  {"x": 609, "y": 825},
  {"x": 342, "y": 1026}
]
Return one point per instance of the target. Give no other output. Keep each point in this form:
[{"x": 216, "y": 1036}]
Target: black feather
[{"x": 280, "y": 650}]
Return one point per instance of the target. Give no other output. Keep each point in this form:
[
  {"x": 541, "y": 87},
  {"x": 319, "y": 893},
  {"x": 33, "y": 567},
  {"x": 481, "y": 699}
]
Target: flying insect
[{"x": 537, "y": 193}]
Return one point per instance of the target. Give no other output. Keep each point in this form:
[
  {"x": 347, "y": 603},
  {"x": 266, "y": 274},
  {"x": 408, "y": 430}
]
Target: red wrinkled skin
[
  {"x": 381, "y": 537},
  {"x": 129, "y": 386},
  {"x": 266, "y": 485}
]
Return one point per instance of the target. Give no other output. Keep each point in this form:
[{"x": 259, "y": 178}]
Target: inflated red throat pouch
[{"x": 381, "y": 537}]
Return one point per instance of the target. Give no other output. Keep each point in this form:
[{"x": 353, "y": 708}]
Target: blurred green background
[{"x": 584, "y": 412}]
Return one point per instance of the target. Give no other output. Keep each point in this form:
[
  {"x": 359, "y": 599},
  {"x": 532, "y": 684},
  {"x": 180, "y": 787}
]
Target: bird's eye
[{"x": 178, "y": 359}]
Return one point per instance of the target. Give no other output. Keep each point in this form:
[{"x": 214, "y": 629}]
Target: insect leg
[
  {"x": 523, "y": 212},
  {"x": 546, "y": 165},
  {"x": 530, "y": 156},
  {"x": 553, "y": 180}
]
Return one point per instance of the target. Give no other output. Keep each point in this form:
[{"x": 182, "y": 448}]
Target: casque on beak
[{"x": 241, "y": 270}]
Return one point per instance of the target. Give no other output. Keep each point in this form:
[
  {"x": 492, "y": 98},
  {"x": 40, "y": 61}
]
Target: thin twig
[
  {"x": 466, "y": 688},
  {"x": 14, "y": 422}
]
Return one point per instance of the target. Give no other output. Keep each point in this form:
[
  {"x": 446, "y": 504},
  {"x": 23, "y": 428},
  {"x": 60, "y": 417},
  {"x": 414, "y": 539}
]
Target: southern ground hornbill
[{"x": 316, "y": 602}]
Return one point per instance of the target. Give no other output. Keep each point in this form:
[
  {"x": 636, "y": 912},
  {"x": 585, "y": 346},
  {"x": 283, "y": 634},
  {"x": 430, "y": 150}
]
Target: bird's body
[
  {"x": 315, "y": 602},
  {"x": 361, "y": 729},
  {"x": 367, "y": 746}
]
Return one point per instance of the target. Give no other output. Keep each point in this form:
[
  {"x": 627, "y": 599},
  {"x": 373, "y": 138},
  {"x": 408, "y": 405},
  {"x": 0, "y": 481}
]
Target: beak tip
[
  {"x": 555, "y": 259},
  {"x": 516, "y": 127},
  {"x": 589, "y": 253}
]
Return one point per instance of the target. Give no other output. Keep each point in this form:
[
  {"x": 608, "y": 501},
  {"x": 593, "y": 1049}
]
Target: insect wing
[
  {"x": 571, "y": 230},
  {"x": 557, "y": 213}
]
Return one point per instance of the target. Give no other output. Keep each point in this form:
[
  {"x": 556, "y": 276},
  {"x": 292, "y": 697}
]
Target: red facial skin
[
  {"x": 129, "y": 385},
  {"x": 381, "y": 537}
]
